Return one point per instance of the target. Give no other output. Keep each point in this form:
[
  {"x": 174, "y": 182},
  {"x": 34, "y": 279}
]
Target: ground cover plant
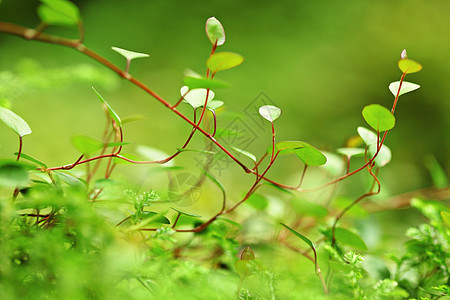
[{"x": 76, "y": 231}]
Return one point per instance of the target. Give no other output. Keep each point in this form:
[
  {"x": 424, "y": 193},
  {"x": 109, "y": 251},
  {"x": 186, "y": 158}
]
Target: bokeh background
[{"x": 321, "y": 62}]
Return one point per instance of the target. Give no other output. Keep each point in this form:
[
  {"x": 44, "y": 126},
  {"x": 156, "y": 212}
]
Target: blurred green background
[{"x": 321, "y": 62}]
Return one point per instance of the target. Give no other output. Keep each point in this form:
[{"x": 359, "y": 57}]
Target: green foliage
[
  {"x": 223, "y": 60},
  {"x": 82, "y": 231},
  {"x": 270, "y": 112},
  {"x": 378, "y": 117},
  {"x": 59, "y": 12},
  {"x": 14, "y": 122}
]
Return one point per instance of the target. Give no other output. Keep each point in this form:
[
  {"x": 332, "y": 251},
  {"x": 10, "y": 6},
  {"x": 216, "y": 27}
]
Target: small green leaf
[
  {"x": 196, "y": 97},
  {"x": 215, "y": 31},
  {"x": 346, "y": 237},
  {"x": 86, "y": 144},
  {"x": 129, "y": 55},
  {"x": 310, "y": 156},
  {"x": 14, "y": 122},
  {"x": 257, "y": 201},
  {"x": 69, "y": 179},
  {"x": 288, "y": 146},
  {"x": 214, "y": 104},
  {"x": 406, "y": 87},
  {"x": 154, "y": 217},
  {"x": 368, "y": 136},
  {"x": 116, "y": 144},
  {"x": 246, "y": 153},
  {"x": 58, "y": 12},
  {"x": 196, "y": 83},
  {"x": 27, "y": 157},
  {"x": 223, "y": 60},
  {"x": 270, "y": 112},
  {"x": 304, "y": 207},
  {"x": 378, "y": 117},
  {"x": 384, "y": 155},
  {"x": 301, "y": 236},
  {"x": 13, "y": 174},
  {"x": 349, "y": 152},
  {"x": 185, "y": 213},
  {"x": 112, "y": 113},
  {"x": 409, "y": 66}
]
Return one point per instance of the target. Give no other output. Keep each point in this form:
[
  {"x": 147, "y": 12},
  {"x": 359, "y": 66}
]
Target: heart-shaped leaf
[
  {"x": 215, "y": 31},
  {"x": 406, "y": 87},
  {"x": 196, "y": 97},
  {"x": 270, "y": 112},
  {"x": 129, "y": 55},
  {"x": 14, "y": 122},
  {"x": 58, "y": 12},
  {"x": 214, "y": 104},
  {"x": 369, "y": 137},
  {"x": 112, "y": 113},
  {"x": 409, "y": 66},
  {"x": 310, "y": 156},
  {"x": 288, "y": 146},
  {"x": 378, "y": 117},
  {"x": 223, "y": 60}
]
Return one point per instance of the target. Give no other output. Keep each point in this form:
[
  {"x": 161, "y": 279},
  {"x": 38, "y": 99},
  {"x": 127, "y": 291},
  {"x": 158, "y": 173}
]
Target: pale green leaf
[
  {"x": 406, "y": 87},
  {"x": 384, "y": 155},
  {"x": 349, "y": 152},
  {"x": 215, "y": 31},
  {"x": 129, "y": 55},
  {"x": 369, "y": 137},
  {"x": 270, "y": 112},
  {"x": 223, "y": 60},
  {"x": 214, "y": 104},
  {"x": 378, "y": 117},
  {"x": 196, "y": 97},
  {"x": 14, "y": 122}
]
